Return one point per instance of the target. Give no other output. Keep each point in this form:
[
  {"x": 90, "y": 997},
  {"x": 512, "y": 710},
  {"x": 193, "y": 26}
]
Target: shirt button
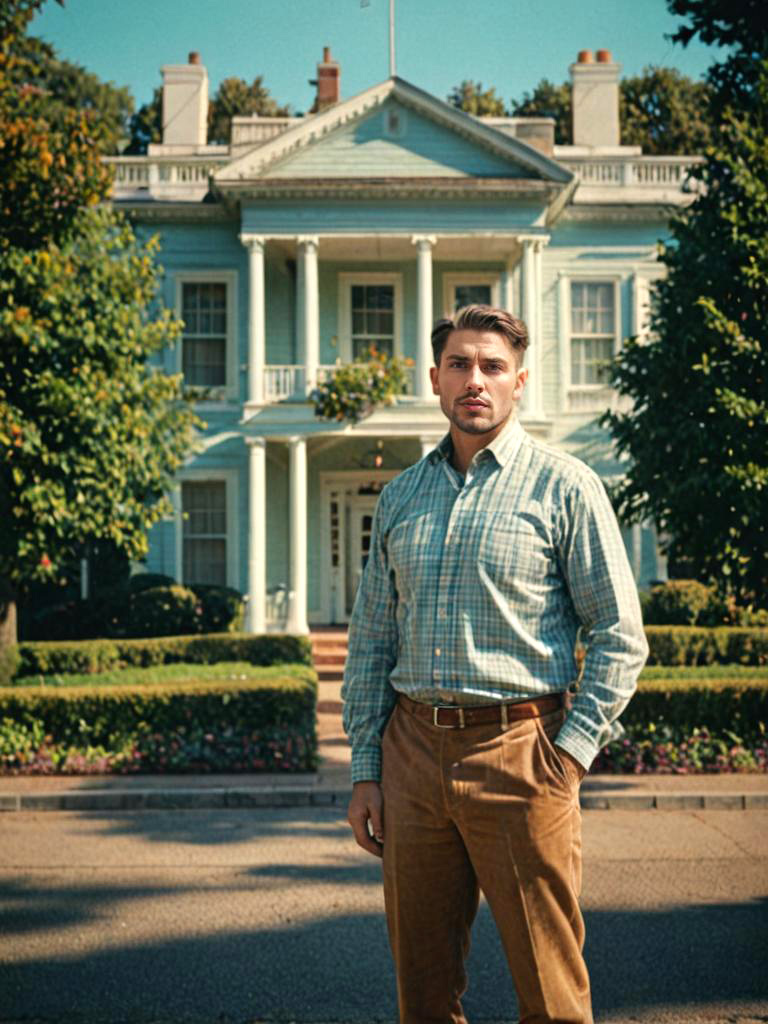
[
  {"x": 442, "y": 613},
  {"x": 436, "y": 674},
  {"x": 438, "y": 652}
]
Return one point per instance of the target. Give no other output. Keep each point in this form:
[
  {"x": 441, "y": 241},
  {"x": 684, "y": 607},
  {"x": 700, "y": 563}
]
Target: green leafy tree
[
  {"x": 548, "y": 100},
  {"x": 473, "y": 99},
  {"x": 665, "y": 112},
  {"x": 697, "y": 435},
  {"x": 146, "y": 125},
  {"x": 661, "y": 110},
  {"x": 235, "y": 98},
  {"x": 90, "y": 435},
  {"x": 63, "y": 88}
]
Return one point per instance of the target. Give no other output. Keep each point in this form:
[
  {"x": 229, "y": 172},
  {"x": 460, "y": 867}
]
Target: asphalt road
[{"x": 274, "y": 915}]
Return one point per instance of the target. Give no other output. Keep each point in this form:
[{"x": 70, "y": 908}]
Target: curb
[{"x": 275, "y": 797}]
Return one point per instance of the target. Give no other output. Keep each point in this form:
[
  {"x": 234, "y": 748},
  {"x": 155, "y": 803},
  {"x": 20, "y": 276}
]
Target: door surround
[{"x": 338, "y": 491}]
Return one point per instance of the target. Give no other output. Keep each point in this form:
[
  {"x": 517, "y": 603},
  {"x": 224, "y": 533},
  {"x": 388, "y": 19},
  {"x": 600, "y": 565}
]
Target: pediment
[{"x": 393, "y": 131}]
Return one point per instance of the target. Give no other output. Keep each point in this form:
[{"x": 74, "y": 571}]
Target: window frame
[
  {"x": 451, "y": 279},
  {"x": 231, "y": 492},
  {"x": 228, "y": 392},
  {"x": 347, "y": 280},
  {"x": 568, "y": 390}
]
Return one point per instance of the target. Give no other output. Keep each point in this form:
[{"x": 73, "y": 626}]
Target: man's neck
[{"x": 466, "y": 446}]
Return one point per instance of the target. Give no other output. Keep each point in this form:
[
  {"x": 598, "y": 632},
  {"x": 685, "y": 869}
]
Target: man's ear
[
  {"x": 522, "y": 378},
  {"x": 433, "y": 377}
]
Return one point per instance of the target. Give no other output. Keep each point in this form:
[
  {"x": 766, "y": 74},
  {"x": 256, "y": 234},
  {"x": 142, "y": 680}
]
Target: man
[{"x": 486, "y": 558}]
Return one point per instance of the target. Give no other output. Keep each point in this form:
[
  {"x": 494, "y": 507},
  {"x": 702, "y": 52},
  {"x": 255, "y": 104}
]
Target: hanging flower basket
[{"x": 353, "y": 390}]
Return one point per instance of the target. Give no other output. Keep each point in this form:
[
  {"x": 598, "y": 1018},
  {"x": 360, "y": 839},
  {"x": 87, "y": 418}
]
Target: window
[
  {"x": 593, "y": 331},
  {"x": 468, "y": 289},
  {"x": 369, "y": 314},
  {"x": 206, "y": 303},
  {"x": 204, "y": 531}
]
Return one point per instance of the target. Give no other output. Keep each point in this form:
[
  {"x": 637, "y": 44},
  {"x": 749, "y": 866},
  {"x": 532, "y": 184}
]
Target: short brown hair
[{"x": 481, "y": 318}]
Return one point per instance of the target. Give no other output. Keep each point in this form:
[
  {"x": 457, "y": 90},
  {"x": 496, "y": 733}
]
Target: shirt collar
[{"x": 503, "y": 447}]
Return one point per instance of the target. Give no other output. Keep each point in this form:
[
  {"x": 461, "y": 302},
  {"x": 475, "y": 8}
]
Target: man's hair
[{"x": 481, "y": 318}]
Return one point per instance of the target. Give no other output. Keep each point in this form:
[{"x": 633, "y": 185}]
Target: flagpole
[{"x": 391, "y": 38}]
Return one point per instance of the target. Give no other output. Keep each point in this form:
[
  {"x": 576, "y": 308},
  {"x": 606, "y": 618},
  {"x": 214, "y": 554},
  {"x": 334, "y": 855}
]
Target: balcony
[
  {"x": 163, "y": 179},
  {"x": 633, "y": 179},
  {"x": 284, "y": 381}
]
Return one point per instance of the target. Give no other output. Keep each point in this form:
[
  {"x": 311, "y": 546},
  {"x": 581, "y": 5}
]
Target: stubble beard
[{"x": 475, "y": 426}]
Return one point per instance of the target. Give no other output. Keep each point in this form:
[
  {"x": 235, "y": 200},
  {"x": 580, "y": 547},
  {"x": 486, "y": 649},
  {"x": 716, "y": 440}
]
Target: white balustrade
[
  {"x": 652, "y": 172},
  {"x": 139, "y": 177}
]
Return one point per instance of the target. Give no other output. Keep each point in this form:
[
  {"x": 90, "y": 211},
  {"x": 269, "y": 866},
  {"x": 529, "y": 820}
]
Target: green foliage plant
[
  {"x": 473, "y": 99},
  {"x": 696, "y": 437},
  {"x": 93, "y": 656},
  {"x": 353, "y": 390}
]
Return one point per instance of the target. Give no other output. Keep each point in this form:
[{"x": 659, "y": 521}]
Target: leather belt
[{"x": 456, "y": 716}]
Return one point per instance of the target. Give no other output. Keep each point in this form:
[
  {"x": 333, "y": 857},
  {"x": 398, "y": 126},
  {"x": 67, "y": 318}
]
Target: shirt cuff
[
  {"x": 366, "y": 765},
  {"x": 577, "y": 744}
]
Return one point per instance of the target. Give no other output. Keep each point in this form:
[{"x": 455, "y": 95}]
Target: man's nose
[{"x": 474, "y": 379}]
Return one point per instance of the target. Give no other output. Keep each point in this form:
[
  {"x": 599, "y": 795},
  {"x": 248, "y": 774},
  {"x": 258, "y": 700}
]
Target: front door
[{"x": 360, "y": 509}]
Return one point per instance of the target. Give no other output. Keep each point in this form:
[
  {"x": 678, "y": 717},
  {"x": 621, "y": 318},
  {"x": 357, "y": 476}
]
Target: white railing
[
  {"x": 652, "y": 172},
  {"x": 141, "y": 177},
  {"x": 286, "y": 380}
]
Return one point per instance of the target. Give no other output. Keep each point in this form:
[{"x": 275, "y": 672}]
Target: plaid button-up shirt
[{"x": 475, "y": 588}]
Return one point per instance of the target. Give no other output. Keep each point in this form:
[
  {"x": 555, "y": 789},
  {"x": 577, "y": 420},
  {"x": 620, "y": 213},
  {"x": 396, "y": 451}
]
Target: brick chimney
[
  {"x": 595, "y": 99},
  {"x": 328, "y": 83},
  {"x": 185, "y": 103}
]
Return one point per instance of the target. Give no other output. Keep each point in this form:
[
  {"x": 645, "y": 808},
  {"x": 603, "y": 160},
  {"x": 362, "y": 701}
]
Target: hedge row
[
  {"x": 695, "y": 645},
  {"x": 252, "y": 725},
  {"x": 88, "y": 656}
]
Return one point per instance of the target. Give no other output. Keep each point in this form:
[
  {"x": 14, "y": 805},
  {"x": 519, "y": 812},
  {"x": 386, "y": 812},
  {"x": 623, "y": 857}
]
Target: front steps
[{"x": 329, "y": 652}]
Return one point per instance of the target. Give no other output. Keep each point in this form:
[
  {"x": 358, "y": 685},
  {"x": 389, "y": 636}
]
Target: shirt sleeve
[
  {"x": 606, "y": 602},
  {"x": 373, "y": 644}
]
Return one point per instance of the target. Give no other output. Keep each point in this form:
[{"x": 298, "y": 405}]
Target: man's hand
[
  {"x": 367, "y": 805},
  {"x": 572, "y": 766}
]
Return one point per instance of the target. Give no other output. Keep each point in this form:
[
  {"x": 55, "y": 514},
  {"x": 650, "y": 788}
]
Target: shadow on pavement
[{"x": 337, "y": 967}]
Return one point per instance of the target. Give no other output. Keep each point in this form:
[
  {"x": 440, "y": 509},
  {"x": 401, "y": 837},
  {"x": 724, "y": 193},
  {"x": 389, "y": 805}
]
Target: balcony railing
[
  {"x": 286, "y": 380},
  {"x": 141, "y": 177},
  {"x": 662, "y": 173}
]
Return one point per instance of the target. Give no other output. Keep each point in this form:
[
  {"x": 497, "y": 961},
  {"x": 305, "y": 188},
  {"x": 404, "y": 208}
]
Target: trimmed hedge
[
  {"x": 736, "y": 703},
  {"x": 89, "y": 656},
  {"x": 263, "y": 724},
  {"x": 699, "y": 645}
]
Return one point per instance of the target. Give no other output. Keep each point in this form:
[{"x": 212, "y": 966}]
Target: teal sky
[{"x": 510, "y": 44}]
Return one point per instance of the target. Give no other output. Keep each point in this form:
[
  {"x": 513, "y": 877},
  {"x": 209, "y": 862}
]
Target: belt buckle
[{"x": 437, "y": 708}]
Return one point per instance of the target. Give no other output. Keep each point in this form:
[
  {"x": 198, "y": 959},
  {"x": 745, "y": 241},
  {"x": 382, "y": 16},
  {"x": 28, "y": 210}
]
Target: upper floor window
[
  {"x": 593, "y": 331},
  {"x": 369, "y": 314},
  {"x": 206, "y": 304},
  {"x": 204, "y": 348}
]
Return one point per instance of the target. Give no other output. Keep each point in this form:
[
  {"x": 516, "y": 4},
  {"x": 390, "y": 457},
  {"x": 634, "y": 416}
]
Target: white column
[
  {"x": 257, "y": 535},
  {"x": 427, "y": 445},
  {"x": 425, "y": 315},
  {"x": 257, "y": 335},
  {"x": 532, "y": 314},
  {"x": 309, "y": 309},
  {"x": 509, "y": 300},
  {"x": 297, "y": 619}
]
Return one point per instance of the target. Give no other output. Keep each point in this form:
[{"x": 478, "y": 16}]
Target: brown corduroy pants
[{"x": 491, "y": 809}]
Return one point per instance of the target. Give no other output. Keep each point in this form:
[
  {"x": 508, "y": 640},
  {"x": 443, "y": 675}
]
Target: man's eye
[{"x": 494, "y": 367}]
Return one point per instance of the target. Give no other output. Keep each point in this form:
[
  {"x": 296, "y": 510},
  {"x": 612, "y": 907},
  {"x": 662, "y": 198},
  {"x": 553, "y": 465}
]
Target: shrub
[
  {"x": 164, "y": 611},
  {"x": 101, "y": 655},
  {"x": 248, "y": 725},
  {"x": 10, "y": 660},
  {"x": 223, "y": 608},
  {"x": 694, "y": 645},
  {"x": 677, "y": 603}
]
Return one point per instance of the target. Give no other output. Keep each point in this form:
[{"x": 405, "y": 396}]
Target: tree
[
  {"x": 661, "y": 110},
  {"x": 63, "y": 88},
  {"x": 665, "y": 112},
  {"x": 548, "y": 100},
  {"x": 90, "y": 434},
  {"x": 233, "y": 98},
  {"x": 697, "y": 435},
  {"x": 473, "y": 99}
]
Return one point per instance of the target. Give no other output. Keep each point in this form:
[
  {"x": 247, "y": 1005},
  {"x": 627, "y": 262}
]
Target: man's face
[{"x": 478, "y": 380}]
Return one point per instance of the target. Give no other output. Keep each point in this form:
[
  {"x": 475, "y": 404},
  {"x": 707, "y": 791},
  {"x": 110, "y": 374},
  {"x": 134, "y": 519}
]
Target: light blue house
[{"x": 308, "y": 239}]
